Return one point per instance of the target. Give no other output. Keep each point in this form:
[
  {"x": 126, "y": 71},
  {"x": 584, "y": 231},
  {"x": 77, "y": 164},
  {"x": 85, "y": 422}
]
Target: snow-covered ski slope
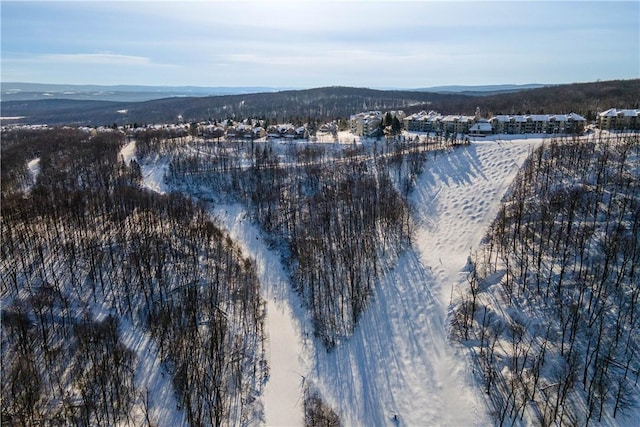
[
  {"x": 399, "y": 361},
  {"x": 283, "y": 399},
  {"x": 399, "y": 367}
]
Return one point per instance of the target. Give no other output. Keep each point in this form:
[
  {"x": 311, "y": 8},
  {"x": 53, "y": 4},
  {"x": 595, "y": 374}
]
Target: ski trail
[
  {"x": 399, "y": 368},
  {"x": 283, "y": 394},
  {"x": 456, "y": 199}
]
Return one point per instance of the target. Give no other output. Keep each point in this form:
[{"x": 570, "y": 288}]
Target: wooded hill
[
  {"x": 89, "y": 260},
  {"x": 551, "y": 312},
  {"x": 328, "y": 103}
]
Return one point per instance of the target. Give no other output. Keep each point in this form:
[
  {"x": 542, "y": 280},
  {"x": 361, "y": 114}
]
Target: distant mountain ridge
[
  {"x": 482, "y": 89},
  {"x": 23, "y": 91},
  {"x": 19, "y": 91},
  {"x": 327, "y": 104}
]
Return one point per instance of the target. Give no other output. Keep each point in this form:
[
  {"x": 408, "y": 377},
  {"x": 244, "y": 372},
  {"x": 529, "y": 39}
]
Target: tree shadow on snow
[{"x": 386, "y": 367}]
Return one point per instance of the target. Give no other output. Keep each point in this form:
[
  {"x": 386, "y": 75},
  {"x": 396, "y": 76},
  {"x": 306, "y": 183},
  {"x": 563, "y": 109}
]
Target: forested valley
[
  {"x": 92, "y": 261},
  {"x": 339, "y": 216},
  {"x": 551, "y": 311},
  {"x": 89, "y": 258}
]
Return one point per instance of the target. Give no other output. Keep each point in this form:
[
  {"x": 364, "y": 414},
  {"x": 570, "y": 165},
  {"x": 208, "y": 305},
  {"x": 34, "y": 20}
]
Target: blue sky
[{"x": 319, "y": 43}]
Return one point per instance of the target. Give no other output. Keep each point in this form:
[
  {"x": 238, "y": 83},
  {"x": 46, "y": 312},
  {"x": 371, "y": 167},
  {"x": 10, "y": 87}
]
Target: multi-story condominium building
[
  {"x": 538, "y": 123},
  {"x": 457, "y": 124},
  {"x": 366, "y": 124},
  {"x": 614, "y": 119},
  {"x": 423, "y": 122},
  {"x": 511, "y": 125},
  {"x": 500, "y": 124}
]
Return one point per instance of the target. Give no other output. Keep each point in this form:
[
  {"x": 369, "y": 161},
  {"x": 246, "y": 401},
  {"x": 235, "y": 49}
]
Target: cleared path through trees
[{"x": 283, "y": 394}]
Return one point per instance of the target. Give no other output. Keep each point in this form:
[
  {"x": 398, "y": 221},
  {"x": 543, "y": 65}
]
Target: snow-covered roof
[
  {"x": 613, "y": 112},
  {"x": 539, "y": 118},
  {"x": 481, "y": 126},
  {"x": 454, "y": 118},
  {"x": 367, "y": 115},
  {"x": 284, "y": 127},
  {"x": 576, "y": 117},
  {"x": 424, "y": 116}
]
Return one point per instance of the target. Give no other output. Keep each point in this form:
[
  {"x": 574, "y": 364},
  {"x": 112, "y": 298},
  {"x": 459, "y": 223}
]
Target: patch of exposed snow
[
  {"x": 153, "y": 171},
  {"x": 128, "y": 152},
  {"x": 33, "y": 166},
  {"x": 157, "y": 401},
  {"x": 153, "y": 176}
]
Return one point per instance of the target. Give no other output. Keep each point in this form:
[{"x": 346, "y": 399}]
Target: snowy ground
[
  {"x": 152, "y": 172},
  {"x": 399, "y": 361},
  {"x": 33, "y": 167},
  {"x": 282, "y": 398}
]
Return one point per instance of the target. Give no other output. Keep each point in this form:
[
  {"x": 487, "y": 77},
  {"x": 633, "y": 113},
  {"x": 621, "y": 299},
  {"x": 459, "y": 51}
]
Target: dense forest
[
  {"x": 339, "y": 217},
  {"x": 552, "y": 307},
  {"x": 329, "y": 103},
  {"x": 92, "y": 262},
  {"x": 89, "y": 259}
]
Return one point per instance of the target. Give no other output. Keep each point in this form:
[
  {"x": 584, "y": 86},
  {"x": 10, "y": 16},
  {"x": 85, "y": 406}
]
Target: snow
[
  {"x": 457, "y": 197},
  {"x": 151, "y": 378},
  {"x": 399, "y": 361},
  {"x": 33, "y": 166},
  {"x": 153, "y": 171},
  {"x": 283, "y": 393},
  {"x": 128, "y": 152}
]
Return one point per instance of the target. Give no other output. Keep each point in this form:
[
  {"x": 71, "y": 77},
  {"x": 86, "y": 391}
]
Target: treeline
[
  {"x": 340, "y": 217},
  {"x": 316, "y": 412},
  {"x": 552, "y": 310},
  {"x": 330, "y": 103},
  {"x": 88, "y": 256}
]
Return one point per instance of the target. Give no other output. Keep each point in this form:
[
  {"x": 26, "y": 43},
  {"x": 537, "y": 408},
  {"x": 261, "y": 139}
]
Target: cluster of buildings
[
  {"x": 369, "y": 123},
  {"x": 366, "y": 124},
  {"x": 246, "y": 131},
  {"x": 502, "y": 124}
]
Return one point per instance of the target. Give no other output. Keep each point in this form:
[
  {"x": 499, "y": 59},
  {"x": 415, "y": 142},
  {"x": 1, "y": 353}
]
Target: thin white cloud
[{"x": 94, "y": 59}]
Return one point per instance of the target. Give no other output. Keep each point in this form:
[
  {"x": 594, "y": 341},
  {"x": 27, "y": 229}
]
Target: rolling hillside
[{"x": 327, "y": 103}]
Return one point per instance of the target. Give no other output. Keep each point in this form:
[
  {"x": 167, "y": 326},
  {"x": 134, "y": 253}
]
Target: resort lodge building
[
  {"x": 614, "y": 119},
  {"x": 503, "y": 124}
]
